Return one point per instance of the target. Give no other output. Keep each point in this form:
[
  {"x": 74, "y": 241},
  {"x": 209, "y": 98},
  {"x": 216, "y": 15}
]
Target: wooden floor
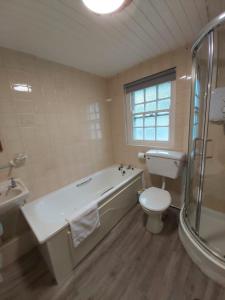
[{"x": 129, "y": 264}]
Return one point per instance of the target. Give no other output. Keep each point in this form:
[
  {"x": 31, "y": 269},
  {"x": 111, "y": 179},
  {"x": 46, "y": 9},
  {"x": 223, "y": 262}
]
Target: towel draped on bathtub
[{"x": 83, "y": 224}]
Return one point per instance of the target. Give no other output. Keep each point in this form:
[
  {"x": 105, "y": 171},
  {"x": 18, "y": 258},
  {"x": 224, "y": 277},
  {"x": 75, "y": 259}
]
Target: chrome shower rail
[
  {"x": 209, "y": 33},
  {"x": 209, "y": 27}
]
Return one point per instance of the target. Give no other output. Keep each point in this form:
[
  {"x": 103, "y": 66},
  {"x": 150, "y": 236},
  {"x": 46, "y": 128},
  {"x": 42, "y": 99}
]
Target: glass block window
[{"x": 151, "y": 113}]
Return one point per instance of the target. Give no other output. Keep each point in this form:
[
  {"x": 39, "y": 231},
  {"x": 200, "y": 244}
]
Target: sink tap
[
  {"x": 129, "y": 167},
  {"x": 12, "y": 185}
]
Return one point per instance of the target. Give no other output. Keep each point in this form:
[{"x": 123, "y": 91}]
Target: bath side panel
[
  {"x": 59, "y": 252},
  {"x": 111, "y": 211},
  {"x": 57, "y": 255}
]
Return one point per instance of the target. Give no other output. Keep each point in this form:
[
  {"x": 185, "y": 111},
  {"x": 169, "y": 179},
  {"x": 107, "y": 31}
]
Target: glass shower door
[
  {"x": 195, "y": 174},
  {"x": 204, "y": 209},
  {"x": 212, "y": 223}
]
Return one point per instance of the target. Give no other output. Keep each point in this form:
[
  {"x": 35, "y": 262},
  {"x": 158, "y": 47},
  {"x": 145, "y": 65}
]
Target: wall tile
[{"x": 45, "y": 111}]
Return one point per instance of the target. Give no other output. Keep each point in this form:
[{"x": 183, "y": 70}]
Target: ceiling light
[{"x": 104, "y": 6}]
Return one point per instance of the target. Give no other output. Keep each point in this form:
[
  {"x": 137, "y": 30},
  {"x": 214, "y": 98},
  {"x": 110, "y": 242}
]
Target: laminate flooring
[{"x": 129, "y": 264}]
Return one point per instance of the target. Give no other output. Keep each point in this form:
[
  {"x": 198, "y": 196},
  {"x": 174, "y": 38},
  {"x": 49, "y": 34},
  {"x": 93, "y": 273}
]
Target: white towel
[{"x": 83, "y": 224}]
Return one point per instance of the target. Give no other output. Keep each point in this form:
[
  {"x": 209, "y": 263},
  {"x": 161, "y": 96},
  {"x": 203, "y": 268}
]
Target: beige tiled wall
[
  {"x": 181, "y": 59},
  {"x": 62, "y": 123}
]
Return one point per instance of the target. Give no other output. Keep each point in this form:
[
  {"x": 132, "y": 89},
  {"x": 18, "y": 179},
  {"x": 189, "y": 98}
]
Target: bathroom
[{"x": 112, "y": 149}]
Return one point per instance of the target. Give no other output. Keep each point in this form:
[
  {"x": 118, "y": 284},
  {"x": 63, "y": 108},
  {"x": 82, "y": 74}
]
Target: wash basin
[
  {"x": 11, "y": 194},
  {"x": 12, "y": 197}
]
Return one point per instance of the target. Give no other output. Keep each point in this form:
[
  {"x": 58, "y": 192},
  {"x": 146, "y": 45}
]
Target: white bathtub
[{"x": 114, "y": 192}]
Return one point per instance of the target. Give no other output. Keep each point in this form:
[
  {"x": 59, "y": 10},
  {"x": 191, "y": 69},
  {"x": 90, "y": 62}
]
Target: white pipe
[{"x": 163, "y": 183}]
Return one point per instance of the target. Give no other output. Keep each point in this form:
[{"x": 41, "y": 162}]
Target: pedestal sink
[{"x": 11, "y": 197}]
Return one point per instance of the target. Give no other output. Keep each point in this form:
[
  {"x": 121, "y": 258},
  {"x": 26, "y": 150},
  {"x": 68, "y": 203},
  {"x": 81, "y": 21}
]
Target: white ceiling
[{"x": 66, "y": 32}]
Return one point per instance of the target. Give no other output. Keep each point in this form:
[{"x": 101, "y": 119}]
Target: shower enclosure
[{"x": 202, "y": 219}]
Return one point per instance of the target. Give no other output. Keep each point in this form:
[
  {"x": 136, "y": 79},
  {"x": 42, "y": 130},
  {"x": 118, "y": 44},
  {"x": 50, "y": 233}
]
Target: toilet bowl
[{"x": 154, "y": 202}]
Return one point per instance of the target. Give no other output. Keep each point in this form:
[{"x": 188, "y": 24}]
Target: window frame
[{"x": 129, "y": 119}]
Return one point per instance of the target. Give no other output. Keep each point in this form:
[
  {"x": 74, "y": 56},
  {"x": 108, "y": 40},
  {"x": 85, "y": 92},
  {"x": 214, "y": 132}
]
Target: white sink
[{"x": 9, "y": 198}]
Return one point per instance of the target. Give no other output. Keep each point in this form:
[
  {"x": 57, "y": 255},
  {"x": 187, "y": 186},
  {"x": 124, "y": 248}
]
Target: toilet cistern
[{"x": 154, "y": 201}]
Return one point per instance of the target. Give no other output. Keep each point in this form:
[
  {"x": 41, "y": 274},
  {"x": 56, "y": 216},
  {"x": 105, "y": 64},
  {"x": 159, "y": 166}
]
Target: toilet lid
[{"x": 155, "y": 199}]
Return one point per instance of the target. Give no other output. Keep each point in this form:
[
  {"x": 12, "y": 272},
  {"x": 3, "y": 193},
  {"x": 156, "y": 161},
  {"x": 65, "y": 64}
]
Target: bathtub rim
[{"x": 99, "y": 201}]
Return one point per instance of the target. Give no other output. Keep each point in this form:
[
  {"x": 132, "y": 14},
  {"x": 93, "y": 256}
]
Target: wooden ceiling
[{"x": 66, "y": 32}]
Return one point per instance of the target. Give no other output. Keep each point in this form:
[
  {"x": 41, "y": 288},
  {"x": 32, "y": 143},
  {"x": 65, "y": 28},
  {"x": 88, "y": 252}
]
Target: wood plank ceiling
[{"x": 66, "y": 32}]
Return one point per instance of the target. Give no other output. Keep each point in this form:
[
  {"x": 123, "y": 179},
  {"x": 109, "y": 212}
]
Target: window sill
[{"x": 163, "y": 145}]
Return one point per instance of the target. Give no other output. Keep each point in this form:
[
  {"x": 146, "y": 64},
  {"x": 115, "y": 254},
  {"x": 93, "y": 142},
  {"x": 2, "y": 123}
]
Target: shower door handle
[
  {"x": 208, "y": 156},
  {"x": 195, "y": 145}
]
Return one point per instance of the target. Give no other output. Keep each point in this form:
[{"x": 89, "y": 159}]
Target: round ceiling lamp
[{"x": 105, "y": 6}]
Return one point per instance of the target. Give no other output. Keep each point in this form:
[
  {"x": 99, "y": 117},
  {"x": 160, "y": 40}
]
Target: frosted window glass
[
  {"x": 195, "y": 131},
  {"x": 164, "y": 104},
  {"x": 138, "y": 96},
  {"x": 197, "y": 87},
  {"x": 197, "y": 101},
  {"x": 138, "y": 121},
  {"x": 139, "y": 108},
  {"x": 162, "y": 133},
  {"x": 150, "y": 106},
  {"x": 138, "y": 133},
  {"x": 149, "y": 120},
  {"x": 150, "y": 134},
  {"x": 196, "y": 121},
  {"x": 150, "y": 93},
  {"x": 162, "y": 119},
  {"x": 150, "y": 113},
  {"x": 164, "y": 90}
]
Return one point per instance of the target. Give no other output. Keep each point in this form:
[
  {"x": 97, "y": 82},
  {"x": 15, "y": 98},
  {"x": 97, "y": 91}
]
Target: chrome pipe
[
  {"x": 190, "y": 158},
  {"x": 209, "y": 27}
]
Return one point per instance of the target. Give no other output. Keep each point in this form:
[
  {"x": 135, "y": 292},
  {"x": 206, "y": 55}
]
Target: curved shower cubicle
[{"x": 202, "y": 219}]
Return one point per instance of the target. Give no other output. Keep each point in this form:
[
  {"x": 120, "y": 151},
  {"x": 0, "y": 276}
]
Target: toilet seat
[{"x": 155, "y": 199}]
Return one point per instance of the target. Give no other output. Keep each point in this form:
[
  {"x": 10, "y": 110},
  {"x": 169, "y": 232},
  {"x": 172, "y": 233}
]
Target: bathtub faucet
[
  {"x": 129, "y": 167},
  {"x": 120, "y": 167}
]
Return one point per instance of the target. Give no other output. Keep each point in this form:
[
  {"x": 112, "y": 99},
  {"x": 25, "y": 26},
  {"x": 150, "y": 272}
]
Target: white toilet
[{"x": 155, "y": 201}]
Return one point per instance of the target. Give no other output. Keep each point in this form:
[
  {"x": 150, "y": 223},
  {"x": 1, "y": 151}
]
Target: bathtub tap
[{"x": 120, "y": 167}]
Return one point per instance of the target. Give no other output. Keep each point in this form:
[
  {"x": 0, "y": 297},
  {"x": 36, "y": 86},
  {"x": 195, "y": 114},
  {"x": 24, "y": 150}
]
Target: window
[
  {"x": 196, "y": 109},
  {"x": 149, "y": 114}
]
